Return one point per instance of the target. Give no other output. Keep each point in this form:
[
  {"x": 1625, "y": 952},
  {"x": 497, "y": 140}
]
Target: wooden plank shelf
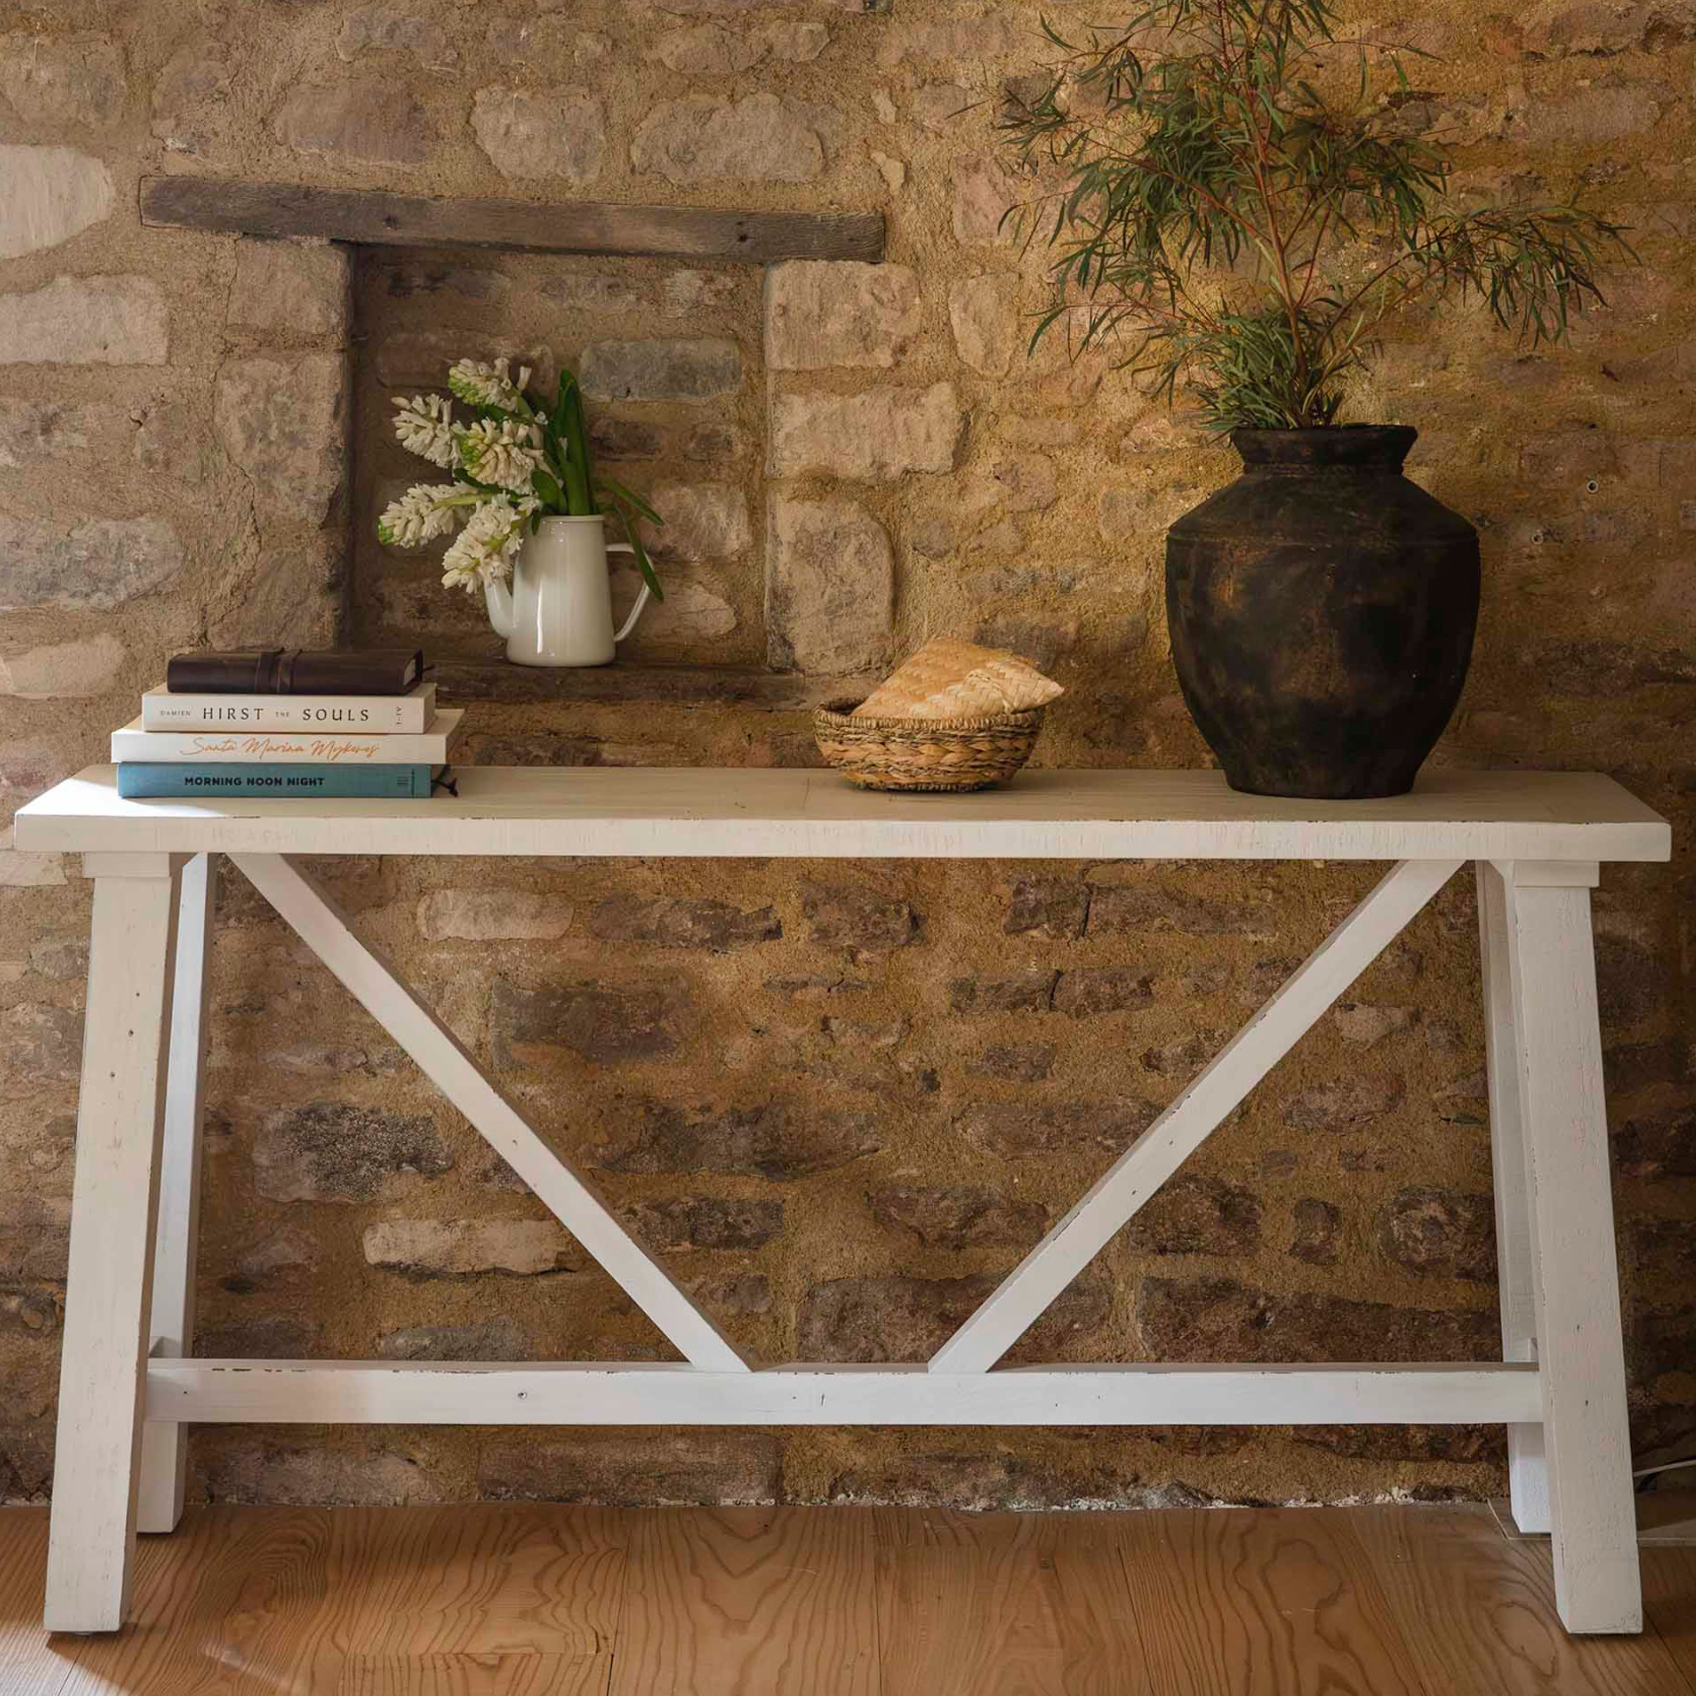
[
  {"x": 697, "y": 812},
  {"x": 376, "y": 218},
  {"x": 479, "y": 679}
]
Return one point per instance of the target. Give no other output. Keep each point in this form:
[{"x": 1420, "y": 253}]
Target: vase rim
[
  {"x": 1378, "y": 446},
  {"x": 574, "y": 518}
]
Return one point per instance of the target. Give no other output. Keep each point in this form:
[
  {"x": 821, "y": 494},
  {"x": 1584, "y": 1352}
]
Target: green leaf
[
  {"x": 547, "y": 490},
  {"x": 629, "y": 497}
]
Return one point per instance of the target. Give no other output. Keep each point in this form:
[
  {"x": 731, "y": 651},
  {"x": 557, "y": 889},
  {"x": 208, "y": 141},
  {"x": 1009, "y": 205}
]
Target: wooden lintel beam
[{"x": 375, "y": 218}]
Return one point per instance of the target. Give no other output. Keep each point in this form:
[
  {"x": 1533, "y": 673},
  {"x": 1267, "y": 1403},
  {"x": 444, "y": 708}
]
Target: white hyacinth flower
[
  {"x": 479, "y": 383},
  {"x": 424, "y": 512},
  {"x": 484, "y": 549},
  {"x": 504, "y": 453},
  {"x": 424, "y": 426}
]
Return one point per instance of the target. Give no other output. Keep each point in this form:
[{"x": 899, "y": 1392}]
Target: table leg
[
  {"x": 1575, "y": 1281},
  {"x": 120, "y": 1112},
  {"x": 164, "y": 1445},
  {"x": 1528, "y": 1479}
]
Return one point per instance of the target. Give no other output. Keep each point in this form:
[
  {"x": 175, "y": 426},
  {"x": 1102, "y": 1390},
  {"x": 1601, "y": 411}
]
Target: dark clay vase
[{"x": 1321, "y": 611}]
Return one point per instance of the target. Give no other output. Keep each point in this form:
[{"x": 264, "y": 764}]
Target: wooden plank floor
[{"x": 522, "y": 1600}]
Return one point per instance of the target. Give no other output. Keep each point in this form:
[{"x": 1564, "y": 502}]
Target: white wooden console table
[{"x": 130, "y": 1386}]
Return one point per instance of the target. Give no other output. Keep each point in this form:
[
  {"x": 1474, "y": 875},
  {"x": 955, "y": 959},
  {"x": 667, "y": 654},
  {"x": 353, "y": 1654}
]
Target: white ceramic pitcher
[{"x": 558, "y": 610}]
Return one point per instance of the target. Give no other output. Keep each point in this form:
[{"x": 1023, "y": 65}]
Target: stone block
[
  {"x": 190, "y": 96},
  {"x": 842, "y": 916},
  {"x": 957, "y": 1216},
  {"x": 33, "y": 432},
  {"x": 19, "y": 870},
  {"x": 873, "y": 437},
  {"x": 409, "y": 359},
  {"x": 1661, "y": 1145},
  {"x": 1440, "y": 1233},
  {"x": 86, "y": 321},
  {"x": 718, "y": 50},
  {"x": 1214, "y": 1319},
  {"x": 457, "y": 1248},
  {"x": 284, "y": 422},
  {"x": 1318, "y": 1232},
  {"x": 40, "y": 1044},
  {"x": 1054, "y": 907},
  {"x": 95, "y": 566},
  {"x": 983, "y": 192},
  {"x": 636, "y": 1469},
  {"x": 830, "y": 587},
  {"x": 1458, "y": 1445},
  {"x": 281, "y": 1474},
  {"x": 268, "y": 1336},
  {"x": 289, "y": 597},
  {"x": 1364, "y": 1025},
  {"x": 1196, "y": 1216},
  {"x": 1087, "y": 991},
  {"x": 611, "y": 1024},
  {"x": 1175, "y": 912},
  {"x": 63, "y": 670},
  {"x": 821, "y": 313},
  {"x": 486, "y": 1339},
  {"x": 52, "y": 194},
  {"x": 705, "y": 1221},
  {"x": 691, "y": 613},
  {"x": 1345, "y": 1105},
  {"x": 677, "y": 922},
  {"x": 984, "y": 314},
  {"x": 775, "y": 1139},
  {"x": 74, "y": 81},
  {"x": 703, "y": 521},
  {"x": 375, "y": 120},
  {"x": 394, "y": 29},
  {"x": 493, "y": 915},
  {"x": 339, "y": 1151},
  {"x": 671, "y": 368},
  {"x": 760, "y": 138},
  {"x": 893, "y": 1318},
  {"x": 1015, "y": 1130},
  {"x": 1014, "y": 1062},
  {"x": 1592, "y": 117},
  {"x": 290, "y": 288},
  {"x": 535, "y": 135},
  {"x": 282, "y": 1256}
]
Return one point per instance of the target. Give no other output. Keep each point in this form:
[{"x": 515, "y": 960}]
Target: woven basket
[{"x": 944, "y": 754}]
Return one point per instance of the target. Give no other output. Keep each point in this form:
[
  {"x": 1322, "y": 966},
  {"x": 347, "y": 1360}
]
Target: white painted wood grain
[
  {"x": 1593, "y": 1527},
  {"x": 164, "y": 1448},
  {"x": 1528, "y": 1477},
  {"x": 1074, "y": 1242},
  {"x": 372, "y": 982},
  {"x": 1042, "y": 814},
  {"x": 571, "y": 1393},
  {"x": 120, "y": 1111}
]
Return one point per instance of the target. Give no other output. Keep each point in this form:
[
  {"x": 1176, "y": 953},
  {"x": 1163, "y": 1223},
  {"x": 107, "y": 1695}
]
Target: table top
[{"x": 701, "y": 812}]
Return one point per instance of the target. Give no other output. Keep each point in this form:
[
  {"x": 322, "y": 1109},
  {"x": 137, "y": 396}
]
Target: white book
[
  {"x": 375, "y": 715},
  {"x": 135, "y": 743}
]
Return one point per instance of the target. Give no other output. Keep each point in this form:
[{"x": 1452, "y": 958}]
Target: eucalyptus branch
[{"x": 1233, "y": 150}]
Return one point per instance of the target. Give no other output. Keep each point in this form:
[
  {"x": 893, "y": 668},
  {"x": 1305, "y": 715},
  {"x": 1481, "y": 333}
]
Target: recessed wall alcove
[{"x": 432, "y": 278}]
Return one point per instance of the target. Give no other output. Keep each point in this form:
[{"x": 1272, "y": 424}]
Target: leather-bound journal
[{"x": 294, "y": 671}]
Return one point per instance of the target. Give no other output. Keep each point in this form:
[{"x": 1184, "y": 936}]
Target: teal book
[{"x": 259, "y": 781}]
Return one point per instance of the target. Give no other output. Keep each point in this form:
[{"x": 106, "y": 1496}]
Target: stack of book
[{"x": 274, "y": 722}]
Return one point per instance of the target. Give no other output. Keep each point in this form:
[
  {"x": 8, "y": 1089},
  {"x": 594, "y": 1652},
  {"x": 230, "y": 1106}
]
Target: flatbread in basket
[{"x": 948, "y": 678}]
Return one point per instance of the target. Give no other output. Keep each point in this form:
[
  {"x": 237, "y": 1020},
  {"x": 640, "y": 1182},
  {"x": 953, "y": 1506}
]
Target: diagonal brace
[
  {"x": 1022, "y": 1298},
  {"x": 372, "y": 982}
]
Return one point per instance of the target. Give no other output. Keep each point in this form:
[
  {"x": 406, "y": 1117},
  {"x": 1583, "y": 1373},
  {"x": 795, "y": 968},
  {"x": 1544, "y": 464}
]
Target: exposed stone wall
[{"x": 839, "y": 1099}]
